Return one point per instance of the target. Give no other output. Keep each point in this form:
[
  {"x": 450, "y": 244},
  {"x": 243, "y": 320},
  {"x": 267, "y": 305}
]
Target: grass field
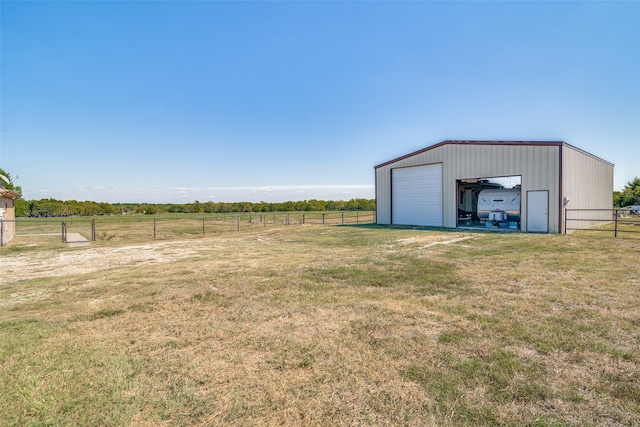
[
  {"x": 139, "y": 228},
  {"x": 317, "y": 325}
]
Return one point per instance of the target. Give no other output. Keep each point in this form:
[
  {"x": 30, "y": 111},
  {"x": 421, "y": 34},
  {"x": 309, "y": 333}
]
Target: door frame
[{"x": 534, "y": 210}]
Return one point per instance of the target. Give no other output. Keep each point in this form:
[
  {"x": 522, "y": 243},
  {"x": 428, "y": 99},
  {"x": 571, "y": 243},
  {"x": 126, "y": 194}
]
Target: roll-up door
[{"x": 416, "y": 195}]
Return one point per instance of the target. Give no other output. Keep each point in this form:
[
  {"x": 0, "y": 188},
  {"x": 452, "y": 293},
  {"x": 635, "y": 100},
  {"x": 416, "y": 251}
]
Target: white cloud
[{"x": 182, "y": 194}]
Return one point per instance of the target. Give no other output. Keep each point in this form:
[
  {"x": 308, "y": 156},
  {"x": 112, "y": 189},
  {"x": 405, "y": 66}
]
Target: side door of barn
[{"x": 538, "y": 211}]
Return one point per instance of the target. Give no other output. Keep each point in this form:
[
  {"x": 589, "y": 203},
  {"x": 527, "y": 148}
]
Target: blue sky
[{"x": 167, "y": 101}]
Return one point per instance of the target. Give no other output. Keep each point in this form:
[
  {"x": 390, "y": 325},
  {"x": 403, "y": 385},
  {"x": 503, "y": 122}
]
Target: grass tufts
[{"x": 321, "y": 325}]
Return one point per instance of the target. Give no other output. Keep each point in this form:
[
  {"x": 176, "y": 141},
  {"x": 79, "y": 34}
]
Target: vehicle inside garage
[{"x": 489, "y": 202}]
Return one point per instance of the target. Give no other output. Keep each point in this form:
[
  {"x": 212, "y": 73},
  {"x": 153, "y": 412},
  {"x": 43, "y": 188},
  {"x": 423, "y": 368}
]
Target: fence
[
  {"x": 614, "y": 221},
  {"x": 140, "y": 228}
]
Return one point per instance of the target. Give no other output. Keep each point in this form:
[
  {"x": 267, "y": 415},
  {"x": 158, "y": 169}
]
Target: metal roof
[{"x": 487, "y": 142}]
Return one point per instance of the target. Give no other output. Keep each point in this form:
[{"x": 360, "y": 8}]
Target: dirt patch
[
  {"x": 54, "y": 264},
  {"x": 432, "y": 240}
]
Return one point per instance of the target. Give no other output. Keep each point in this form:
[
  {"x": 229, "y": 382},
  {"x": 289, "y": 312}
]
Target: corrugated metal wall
[
  {"x": 588, "y": 182},
  {"x": 537, "y": 164}
]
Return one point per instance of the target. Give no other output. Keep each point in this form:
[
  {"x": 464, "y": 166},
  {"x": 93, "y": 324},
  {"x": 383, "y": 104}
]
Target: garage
[
  {"x": 417, "y": 195},
  {"x": 504, "y": 185}
]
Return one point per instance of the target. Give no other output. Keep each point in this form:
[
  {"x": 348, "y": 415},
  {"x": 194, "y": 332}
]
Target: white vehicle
[{"x": 499, "y": 205}]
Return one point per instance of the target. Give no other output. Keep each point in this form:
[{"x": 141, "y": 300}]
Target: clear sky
[{"x": 176, "y": 101}]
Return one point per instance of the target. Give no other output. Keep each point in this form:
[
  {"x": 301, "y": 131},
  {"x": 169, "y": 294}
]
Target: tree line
[
  {"x": 46, "y": 208},
  {"x": 630, "y": 195}
]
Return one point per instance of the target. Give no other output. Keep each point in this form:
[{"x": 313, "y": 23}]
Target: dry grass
[
  {"x": 323, "y": 326},
  {"x": 119, "y": 230}
]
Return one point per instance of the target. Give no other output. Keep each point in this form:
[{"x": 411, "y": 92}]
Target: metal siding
[
  {"x": 538, "y": 165},
  {"x": 588, "y": 182},
  {"x": 383, "y": 195}
]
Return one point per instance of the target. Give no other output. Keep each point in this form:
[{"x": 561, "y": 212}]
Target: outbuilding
[
  {"x": 7, "y": 215},
  {"x": 518, "y": 185}
]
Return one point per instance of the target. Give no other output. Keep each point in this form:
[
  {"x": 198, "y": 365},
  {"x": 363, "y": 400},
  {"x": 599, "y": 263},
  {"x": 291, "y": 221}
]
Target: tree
[
  {"x": 315, "y": 205},
  {"x": 8, "y": 185},
  {"x": 630, "y": 195},
  {"x": 195, "y": 207},
  {"x": 22, "y": 207},
  {"x": 176, "y": 208},
  {"x": 360, "y": 205},
  {"x": 46, "y": 208}
]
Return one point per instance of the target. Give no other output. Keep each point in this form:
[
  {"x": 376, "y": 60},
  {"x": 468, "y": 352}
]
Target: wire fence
[
  {"x": 141, "y": 227},
  {"x": 618, "y": 222},
  {"x": 615, "y": 221}
]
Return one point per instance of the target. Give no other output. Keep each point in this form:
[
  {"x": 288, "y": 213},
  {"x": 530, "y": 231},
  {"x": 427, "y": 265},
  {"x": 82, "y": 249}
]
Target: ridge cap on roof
[{"x": 500, "y": 141}]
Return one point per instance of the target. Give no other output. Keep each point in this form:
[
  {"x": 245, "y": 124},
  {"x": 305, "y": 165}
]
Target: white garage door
[{"x": 416, "y": 195}]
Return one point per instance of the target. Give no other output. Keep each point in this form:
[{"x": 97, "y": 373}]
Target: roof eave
[{"x": 9, "y": 193}]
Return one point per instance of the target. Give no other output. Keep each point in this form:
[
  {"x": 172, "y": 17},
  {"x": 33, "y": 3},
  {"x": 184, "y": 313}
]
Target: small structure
[
  {"x": 7, "y": 215},
  {"x": 522, "y": 185}
]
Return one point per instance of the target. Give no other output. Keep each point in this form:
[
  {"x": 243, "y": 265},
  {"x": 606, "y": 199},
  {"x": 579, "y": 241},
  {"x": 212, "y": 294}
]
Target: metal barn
[{"x": 521, "y": 185}]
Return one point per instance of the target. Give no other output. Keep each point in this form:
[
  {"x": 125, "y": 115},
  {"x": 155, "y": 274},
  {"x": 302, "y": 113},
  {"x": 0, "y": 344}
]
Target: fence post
[
  {"x": 154, "y": 228},
  {"x": 238, "y": 223},
  {"x": 64, "y": 231},
  {"x": 203, "y": 226},
  {"x": 322, "y": 219},
  {"x": 93, "y": 229},
  {"x": 303, "y": 219},
  {"x": 342, "y": 217},
  {"x": 357, "y": 218},
  {"x": 1, "y": 232},
  {"x": 615, "y": 222}
]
